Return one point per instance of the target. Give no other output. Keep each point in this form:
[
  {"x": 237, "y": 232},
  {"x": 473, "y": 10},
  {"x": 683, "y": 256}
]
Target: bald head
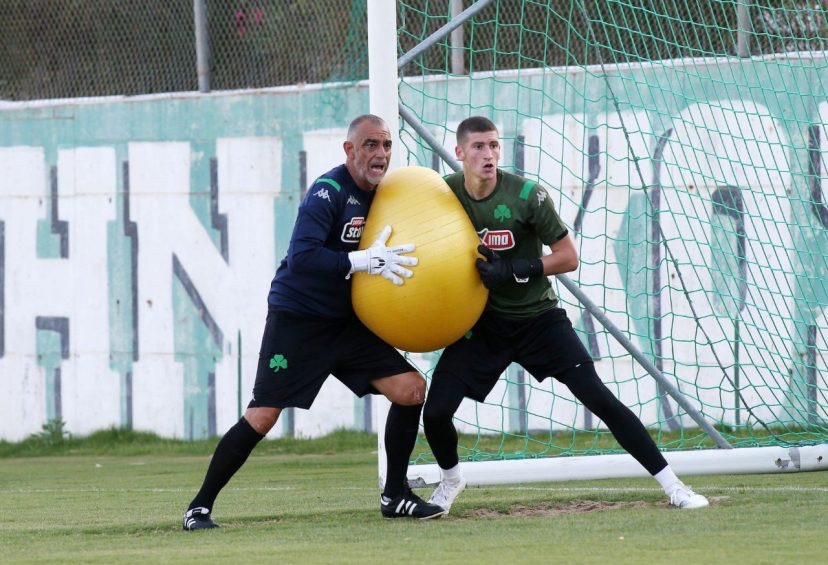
[
  {"x": 366, "y": 119},
  {"x": 368, "y": 150}
]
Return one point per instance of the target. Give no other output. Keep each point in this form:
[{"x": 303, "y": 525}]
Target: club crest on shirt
[
  {"x": 497, "y": 239},
  {"x": 352, "y": 231}
]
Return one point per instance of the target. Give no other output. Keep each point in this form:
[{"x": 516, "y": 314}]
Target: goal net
[{"x": 684, "y": 145}]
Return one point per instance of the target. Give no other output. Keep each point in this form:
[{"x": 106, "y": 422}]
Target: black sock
[
  {"x": 231, "y": 453},
  {"x": 401, "y": 429}
]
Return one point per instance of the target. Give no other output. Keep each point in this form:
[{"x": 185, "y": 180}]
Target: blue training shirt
[{"x": 311, "y": 279}]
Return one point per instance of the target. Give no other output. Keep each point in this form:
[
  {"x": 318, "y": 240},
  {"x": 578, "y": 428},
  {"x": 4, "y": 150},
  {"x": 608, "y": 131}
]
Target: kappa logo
[
  {"x": 323, "y": 193},
  {"x": 542, "y": 194},
  {"x": 352, "y": 200},
  {"x": 497, "y": 239},
  {"x": 353, "y": 230}
]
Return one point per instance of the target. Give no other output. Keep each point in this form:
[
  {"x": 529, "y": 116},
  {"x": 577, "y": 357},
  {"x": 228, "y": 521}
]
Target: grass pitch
[{"x": 118, "y": 499}]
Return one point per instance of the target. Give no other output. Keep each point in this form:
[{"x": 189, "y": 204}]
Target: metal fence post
[
  {"x": 458, "y": 65},
  {"x": 202, "y": 42},
  {"x": 743, "y": 28}
]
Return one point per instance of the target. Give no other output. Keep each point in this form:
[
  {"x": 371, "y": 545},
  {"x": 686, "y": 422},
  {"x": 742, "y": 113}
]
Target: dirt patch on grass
[
  {"x": 571, "y": 507},
  {"x": 547, "y": 509}
]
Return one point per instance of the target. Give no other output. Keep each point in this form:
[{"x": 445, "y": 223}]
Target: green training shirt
[{"x": 515, "y": 220}]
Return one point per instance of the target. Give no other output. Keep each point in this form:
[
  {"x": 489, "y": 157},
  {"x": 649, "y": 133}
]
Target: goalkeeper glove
[
  {"x": 381, "y": 260},
  {"x": 496, "y": 271}
]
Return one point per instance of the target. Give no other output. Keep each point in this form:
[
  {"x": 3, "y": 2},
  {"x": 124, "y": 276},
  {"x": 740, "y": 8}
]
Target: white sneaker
[
  {"x": 683, "y": 497},
  {"x": 446, "y": 492}
]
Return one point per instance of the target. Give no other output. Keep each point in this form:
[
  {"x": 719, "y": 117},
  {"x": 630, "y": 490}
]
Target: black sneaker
[
  {"x": 198, "y": 519},
  {"x": 409, "y": 505}
]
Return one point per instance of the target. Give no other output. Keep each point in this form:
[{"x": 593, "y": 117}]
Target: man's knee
[
  {"x": 412, "y": 393},
  {"x": 262, "y": 419},
  {"x": 433, "y": 411},
  {"x": 439, "y": 407},
  {"x": 407, "y": 389},
  {"x": 585, "y": 384}
]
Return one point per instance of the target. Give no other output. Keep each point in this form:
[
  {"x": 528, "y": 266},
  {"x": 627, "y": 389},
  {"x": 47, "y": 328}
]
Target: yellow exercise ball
[{"x": 444, "y": 297}]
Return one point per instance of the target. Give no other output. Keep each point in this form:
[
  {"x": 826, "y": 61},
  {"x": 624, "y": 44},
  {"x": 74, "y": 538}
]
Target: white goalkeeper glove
[{"x": 381, "y": 260}]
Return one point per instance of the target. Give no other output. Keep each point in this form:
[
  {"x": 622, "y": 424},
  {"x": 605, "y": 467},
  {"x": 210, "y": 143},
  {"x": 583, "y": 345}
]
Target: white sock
[
  {"x": 667, "y": 479},
  {"x": 452, "y": 475}
]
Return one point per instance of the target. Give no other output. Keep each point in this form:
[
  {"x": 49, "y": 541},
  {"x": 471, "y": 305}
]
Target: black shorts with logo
[
  {"x": 298, "y": 353},
  {"x": 545, "y": 345}
]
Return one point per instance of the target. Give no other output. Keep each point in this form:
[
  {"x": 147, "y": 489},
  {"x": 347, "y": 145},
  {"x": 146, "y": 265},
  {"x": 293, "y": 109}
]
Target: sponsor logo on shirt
[
  {"x": 497, "y": 239},
  {"x": 352, "y": 200},
  {"x": 323, "y": 194},
  {"x": 353, "y": 230}
]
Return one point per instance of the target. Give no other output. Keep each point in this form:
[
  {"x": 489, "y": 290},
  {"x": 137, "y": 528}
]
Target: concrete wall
[{"x": 138, "y": 237}]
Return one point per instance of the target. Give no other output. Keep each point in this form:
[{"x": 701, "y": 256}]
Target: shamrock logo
[
  {"x": 277, "y": 362},
  {"x": 502, "y": 212}
]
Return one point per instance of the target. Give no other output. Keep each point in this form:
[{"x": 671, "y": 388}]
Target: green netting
[
  {"x": 107, "y": 47},
  {"x": 692, "y": 179}
]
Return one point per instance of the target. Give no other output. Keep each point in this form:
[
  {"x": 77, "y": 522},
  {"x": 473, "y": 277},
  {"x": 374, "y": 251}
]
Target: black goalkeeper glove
[{"x": 496, "y": 271}]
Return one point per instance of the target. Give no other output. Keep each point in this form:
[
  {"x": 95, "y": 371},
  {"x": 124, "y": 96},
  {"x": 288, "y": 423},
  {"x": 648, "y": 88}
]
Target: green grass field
[{"x": 118, "y": 498}]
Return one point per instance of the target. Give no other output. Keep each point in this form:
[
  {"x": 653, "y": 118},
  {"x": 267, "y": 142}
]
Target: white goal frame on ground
[{"x": 384, "y": 101}]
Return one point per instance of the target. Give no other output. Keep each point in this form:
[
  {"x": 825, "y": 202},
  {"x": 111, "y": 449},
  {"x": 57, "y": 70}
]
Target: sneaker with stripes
[
  {"x": 198, "y": 519},
  {"x": 409, "y": 505}
]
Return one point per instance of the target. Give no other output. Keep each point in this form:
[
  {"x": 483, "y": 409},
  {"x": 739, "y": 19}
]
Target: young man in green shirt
[{"x": 522, "y": 321}]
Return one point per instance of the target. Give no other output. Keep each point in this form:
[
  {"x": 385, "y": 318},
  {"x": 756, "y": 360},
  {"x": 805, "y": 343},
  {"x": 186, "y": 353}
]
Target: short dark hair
[
  {"x": 474, "y": 124},
  {"x": 356, "y": 122}
]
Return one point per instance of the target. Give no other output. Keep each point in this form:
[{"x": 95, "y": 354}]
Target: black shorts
[
  {"x": 299, "y": 352},
  {"x": 545, "y": 346}
]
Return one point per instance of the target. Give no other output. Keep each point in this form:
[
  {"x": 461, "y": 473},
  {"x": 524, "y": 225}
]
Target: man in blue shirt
[{"x": 311, "y": 330}]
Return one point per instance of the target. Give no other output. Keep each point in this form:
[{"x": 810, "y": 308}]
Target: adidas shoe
[
  {"x": 409, "y": 505},
  {"x": 683, "y": 497},
  {"x": 198, "y": 519},
  {"x": 445, "y": 493}
]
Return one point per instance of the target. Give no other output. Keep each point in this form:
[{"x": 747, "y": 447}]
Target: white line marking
[{"x": 706, "y": 489}]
